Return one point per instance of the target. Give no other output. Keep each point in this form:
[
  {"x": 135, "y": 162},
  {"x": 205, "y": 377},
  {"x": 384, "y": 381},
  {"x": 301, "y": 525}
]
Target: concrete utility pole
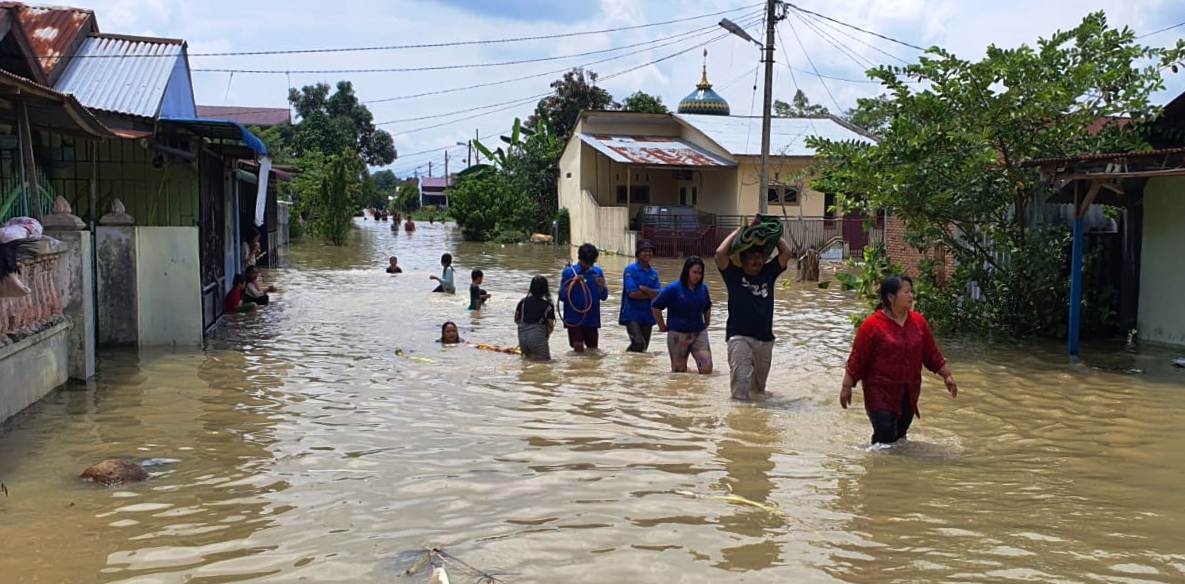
[
  {"x": 446, "y": 166},
  {"x": 429, "y": 169},
  {"x": 771, "y": 20}
]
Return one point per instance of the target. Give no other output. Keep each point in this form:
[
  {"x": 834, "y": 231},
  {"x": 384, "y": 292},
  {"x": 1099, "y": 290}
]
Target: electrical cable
[
  {"x": 854, "y": 27},
  {"x": 821, "y": 22},
  {"x": 816, "y": 69},
  {"x": 862, "y": 63}
]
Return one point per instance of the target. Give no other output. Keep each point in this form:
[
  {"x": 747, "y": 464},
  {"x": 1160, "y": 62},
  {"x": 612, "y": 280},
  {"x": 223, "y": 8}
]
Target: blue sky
[{"x": 963, "y": 27}]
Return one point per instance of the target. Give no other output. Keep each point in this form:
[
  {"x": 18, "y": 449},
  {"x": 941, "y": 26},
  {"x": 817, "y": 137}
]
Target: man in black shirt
[{"x": 750, "y": 329}]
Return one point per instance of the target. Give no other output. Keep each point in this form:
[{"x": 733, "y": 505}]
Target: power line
[
  {"x": 1167, "y": 28},
  {"x": 862, "y": 63},
  {"x": 850, "y": 36},
  {"x": 854, "y": 27},
  {"x": 816, "y": 69},
  {"x": 416, "y": 45}
]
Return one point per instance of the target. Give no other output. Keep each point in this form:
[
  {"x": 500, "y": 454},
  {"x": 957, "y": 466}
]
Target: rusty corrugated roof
[
  {"x": 52, "y": 32},
  {"x": 653, "y": 151}
]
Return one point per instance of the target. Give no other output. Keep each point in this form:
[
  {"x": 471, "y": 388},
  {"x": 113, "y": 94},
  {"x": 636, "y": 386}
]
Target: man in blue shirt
[
  {"x": 641, "y": 287},
  {"x": 582, "y": 289}
]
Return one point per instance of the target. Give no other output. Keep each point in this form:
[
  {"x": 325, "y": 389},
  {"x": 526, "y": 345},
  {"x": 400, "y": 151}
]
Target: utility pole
[
  {"x": 446, "y": 167},
  {"x": 771, "y": 20},
  {"x": 476, "y": 152},
  {"x": 429, "y": 169}
]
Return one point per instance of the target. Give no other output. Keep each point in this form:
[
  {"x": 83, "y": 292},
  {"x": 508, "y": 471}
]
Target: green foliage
[
  {"x": 866, "y": 278},
  {"x": 563, "y": 224},
  {"x": 799, "y": 107},
  {"x": 407, "y": 197},
  {"x": 335, "y": 201},
  {"x": 641, "y": 101},
  {"x": 384, "y": 184},
  {"x": 332, "y": 124},
  {"x": 871, "y": 113},
  {"x": 523, "y": 173},
  {"x": 577, "y": 91},
  {"x": 950, "y": 160}
]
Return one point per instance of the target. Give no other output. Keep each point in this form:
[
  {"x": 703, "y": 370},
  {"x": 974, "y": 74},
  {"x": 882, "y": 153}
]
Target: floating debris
[
  {"x": 497, "y": 349},
  {"x": 158, "y": 462},
  {"x": 399, "y": 352},
  {"x": 114, "y": 472},
  {"x": 435, "y": 561},
  {"x": 736, "y": 499}
]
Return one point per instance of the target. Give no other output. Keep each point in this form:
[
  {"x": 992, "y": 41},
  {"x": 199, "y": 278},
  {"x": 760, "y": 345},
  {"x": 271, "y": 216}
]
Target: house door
[
  {"x": 211, "y": 235},
  {"x": 688, "y": 193}
]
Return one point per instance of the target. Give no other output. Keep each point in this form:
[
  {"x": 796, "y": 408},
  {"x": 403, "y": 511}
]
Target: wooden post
[{"x": 32, "y": 193}]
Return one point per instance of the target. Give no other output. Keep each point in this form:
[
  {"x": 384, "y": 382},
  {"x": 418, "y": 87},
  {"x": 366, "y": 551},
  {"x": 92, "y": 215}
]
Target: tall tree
[
  {"x": 641, "y": 101},
  {"x": 331, "y": 123},
  {"x": 575, "y": 92},
  {"x": 383, "y": 184},
  {"x": 800, "y": 106},
  {"x": 951, "y": 164},
  {"x": 871, "y": 113}
]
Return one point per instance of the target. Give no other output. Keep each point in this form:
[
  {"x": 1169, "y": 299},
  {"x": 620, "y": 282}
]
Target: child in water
[
  {"x": 393, "y": 267},
  {"x": 535, "y": 317},
  {"x": 450, "y": 334},
  {"x": 446, "y": 275},
  {"x": 477, "y": 296},
  {"x": 234, "y": 299}
]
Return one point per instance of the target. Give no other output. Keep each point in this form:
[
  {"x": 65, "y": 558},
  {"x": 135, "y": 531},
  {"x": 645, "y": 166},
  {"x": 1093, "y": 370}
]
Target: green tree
[
  {"x": 641, "y": 101},
  {"x": 575, "y": 92},
  {"x": 407, "y": 198},
  {"x": 799, "y": 107},
  {"x": 383, "y": 184},
  {"x": 333, "y": 123},
  {"x": 871, "y": 113},
  {"x": 951, "y": 161}
]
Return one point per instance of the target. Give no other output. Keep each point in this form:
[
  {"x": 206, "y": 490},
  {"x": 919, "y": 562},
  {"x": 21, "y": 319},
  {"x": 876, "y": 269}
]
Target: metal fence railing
[{"x": 686, "y": 236}]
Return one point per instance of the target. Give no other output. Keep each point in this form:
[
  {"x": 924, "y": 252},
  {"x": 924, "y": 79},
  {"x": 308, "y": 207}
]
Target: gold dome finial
[{"x": 703, "y": 80}]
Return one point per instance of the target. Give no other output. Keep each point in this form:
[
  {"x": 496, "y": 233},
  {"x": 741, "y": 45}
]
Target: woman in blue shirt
[{"x": 689, "y": 308}]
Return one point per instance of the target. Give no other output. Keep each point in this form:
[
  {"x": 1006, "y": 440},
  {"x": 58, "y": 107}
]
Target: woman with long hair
[
  {"x": 689, "y": 312},
  {"x": 890, "y": 349},
  {"x": 535, "y": 317}
]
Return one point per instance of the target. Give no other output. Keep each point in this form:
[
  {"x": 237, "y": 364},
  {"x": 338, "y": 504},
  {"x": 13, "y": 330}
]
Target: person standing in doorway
[
  {"x": 890, "y": 349},
  {"x": 642, "y": 286},
  {"x": 582, "y": 289},
  {"x": 749, "y": 332}
]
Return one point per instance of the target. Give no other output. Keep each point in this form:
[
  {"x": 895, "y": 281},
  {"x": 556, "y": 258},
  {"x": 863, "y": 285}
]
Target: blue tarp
[{"x": 221, "y": 129}]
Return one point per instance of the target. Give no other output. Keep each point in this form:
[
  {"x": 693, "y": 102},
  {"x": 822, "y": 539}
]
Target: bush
[
  {"x": 486, "y": 202},
  {"x": 563, "y": 226}
]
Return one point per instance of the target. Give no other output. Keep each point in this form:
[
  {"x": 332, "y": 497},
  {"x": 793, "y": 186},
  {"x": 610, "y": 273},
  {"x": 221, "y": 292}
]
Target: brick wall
[{"x": 910, "y": 259}]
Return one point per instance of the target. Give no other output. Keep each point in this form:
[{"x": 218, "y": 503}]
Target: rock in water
[{"x": 113, "y": 472}]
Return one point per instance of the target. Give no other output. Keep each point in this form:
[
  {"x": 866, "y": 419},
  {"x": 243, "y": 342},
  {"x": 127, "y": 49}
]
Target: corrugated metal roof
[
  {"x": 741, "y": 135},
  {"x": 251, "y": 116},
  {"x": 653, "y": 150},
  {"x": 126, "y": 75},
  {"x": 51, "y": 30},
  {"x": 432, "y": 182}
]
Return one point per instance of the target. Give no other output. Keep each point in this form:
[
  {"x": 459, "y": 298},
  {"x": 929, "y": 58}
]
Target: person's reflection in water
[{"x": 747, "y": 453}]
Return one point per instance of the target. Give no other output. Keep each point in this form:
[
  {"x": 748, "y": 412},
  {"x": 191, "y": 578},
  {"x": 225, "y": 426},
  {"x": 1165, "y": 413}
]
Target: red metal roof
[
  {"x": 264, "y": 117},
  {"x": 1106, "y": 156},
  {"x": 433, "y": 182},
  {"x": 53, "y": 32}
]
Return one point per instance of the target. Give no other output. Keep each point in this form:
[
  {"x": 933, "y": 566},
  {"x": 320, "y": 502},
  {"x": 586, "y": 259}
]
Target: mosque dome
[{"x": 703, "y": 100}]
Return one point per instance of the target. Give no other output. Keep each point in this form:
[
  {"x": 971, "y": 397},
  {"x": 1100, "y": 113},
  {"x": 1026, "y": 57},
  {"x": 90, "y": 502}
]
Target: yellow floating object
[{"x": 497, "y": 349}]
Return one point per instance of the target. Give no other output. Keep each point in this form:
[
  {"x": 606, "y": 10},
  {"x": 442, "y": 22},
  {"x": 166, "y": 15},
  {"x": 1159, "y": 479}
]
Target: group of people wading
[{"x": 890, "y": 350}]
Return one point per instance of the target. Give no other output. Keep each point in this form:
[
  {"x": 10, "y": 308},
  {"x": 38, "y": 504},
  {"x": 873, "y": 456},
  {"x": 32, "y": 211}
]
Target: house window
[
  {"x": 771, "y": 195},
  {"x": 790, "y": 196},
  {"x": 638, "y": 194}
]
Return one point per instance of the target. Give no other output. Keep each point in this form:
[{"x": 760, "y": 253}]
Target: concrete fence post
[
  {"x": 118, "y": 310},
  {"x": 74, "y": 274}
]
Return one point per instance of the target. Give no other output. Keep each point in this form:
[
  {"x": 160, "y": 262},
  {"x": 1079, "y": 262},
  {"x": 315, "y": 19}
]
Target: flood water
[{"x": 307, "y": 450}]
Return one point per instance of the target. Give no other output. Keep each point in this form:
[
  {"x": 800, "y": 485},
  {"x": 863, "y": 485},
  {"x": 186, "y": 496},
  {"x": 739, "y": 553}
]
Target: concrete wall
[
  {"x": 117, "y": 304},
  {"x": 32, "y": 368},
  {"x": 170, "y": 295},
  {"x": 811, "y": 203},
  {"x": 1162, "y": 264},
  {"x": 75, "y": 270}
]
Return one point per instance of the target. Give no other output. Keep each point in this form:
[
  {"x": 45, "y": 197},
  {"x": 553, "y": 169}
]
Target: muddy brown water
[{"x": 306, "y": 450}]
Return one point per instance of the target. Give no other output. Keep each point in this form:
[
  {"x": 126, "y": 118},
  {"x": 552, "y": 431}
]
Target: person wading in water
[
  {"x": 749, "y": 332},
  {"x": 582, "y": 289},
  {"x": 641, "y": 285},
  {"x": 689, "y": 306},
  {"x": 890, "y": 349}
]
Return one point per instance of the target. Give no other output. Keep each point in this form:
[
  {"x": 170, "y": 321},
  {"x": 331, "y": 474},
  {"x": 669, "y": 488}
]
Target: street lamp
[
  {"x": 468, "y": 152},
  {"x": 771, "y": 19}
]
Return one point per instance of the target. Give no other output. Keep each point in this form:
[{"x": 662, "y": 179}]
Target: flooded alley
[{"x": 299, "y": 446}]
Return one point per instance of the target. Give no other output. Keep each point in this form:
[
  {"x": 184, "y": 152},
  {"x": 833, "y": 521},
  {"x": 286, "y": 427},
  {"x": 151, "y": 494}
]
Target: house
[
  {"x": 1149, "y": 188},
  {"x": 434, "y": 191},
  {"x": 624, "y": 175}
]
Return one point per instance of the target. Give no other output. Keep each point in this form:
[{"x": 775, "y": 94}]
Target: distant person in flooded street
[
  {"x": 890, "y": 349},
  {"x": 445, "y": 279},
  {"x": 535, "y": 317},
  {"x": 477, "y": 296},
  {"x": 409, "y": 225},
  {"x": 689, "y": 308},
  {"x": 393, "y": 266},
  {"x": 749, "y": 332},
  {"x": 641, "y": 287},
  {"x": 234, "y": 299},
  {"x": 450, "y": 334},
  {"x": 582, "y": 289}
]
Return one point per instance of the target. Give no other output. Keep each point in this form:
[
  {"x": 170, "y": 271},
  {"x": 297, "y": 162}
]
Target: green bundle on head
[{"x": 764, "y": 235}]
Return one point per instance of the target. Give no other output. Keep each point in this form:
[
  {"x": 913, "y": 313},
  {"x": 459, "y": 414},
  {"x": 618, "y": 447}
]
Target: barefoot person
[
  {"x": 690, "y": 310},
  {"x": 749, "y": 332},
  {"x": 890, "y": 349},
  {"x": 582, "y": 289},
  {"x": 641, "y": 285}
]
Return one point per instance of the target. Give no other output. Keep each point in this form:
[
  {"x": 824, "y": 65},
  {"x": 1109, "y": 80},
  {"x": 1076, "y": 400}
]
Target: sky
[{"x": 965, "y": 28}]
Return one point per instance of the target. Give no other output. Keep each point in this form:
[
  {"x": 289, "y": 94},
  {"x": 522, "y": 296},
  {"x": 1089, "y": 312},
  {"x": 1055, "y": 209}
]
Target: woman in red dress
[{"x": 890, "y": 349}]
